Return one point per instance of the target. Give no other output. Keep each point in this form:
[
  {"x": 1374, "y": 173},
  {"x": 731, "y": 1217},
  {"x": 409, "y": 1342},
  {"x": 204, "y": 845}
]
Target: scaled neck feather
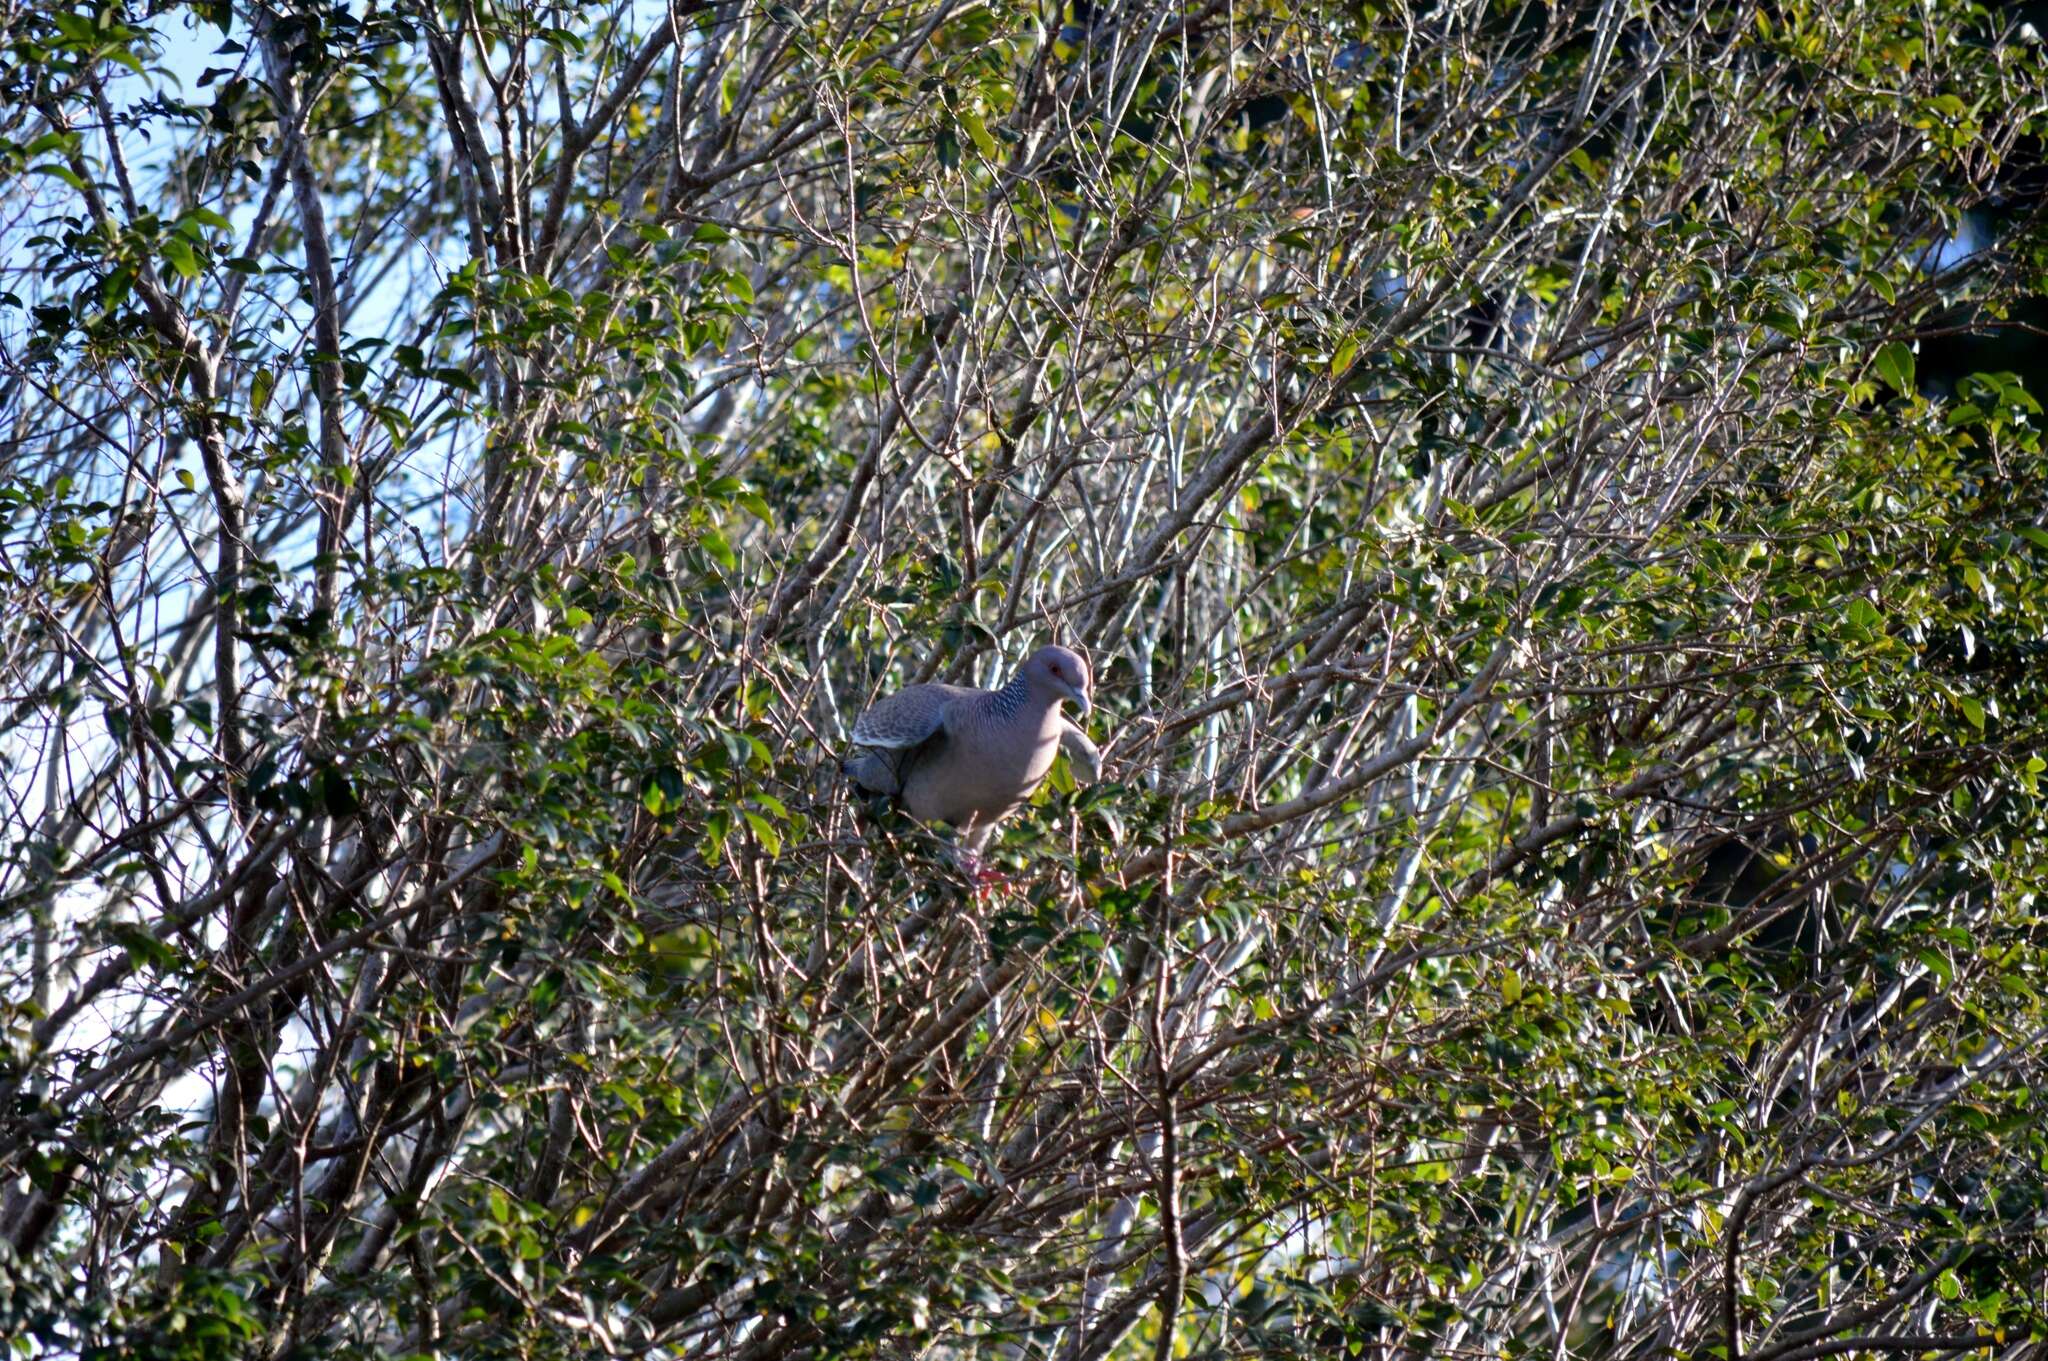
[{"x": 1012, "y": 699}]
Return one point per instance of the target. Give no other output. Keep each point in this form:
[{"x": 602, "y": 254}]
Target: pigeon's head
[{"x": 1059, "y": 673}]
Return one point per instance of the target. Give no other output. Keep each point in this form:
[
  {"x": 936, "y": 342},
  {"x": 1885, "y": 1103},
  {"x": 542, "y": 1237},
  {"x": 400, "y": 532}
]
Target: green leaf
[
  {"x": 178, "y": 251},
  {"x": 142, "y": 948},
  {"x": 721, "y": 551},
  {"x": 61, "y": 172},
  {"x": 978, "y": 133},
  {"x": 771, "y": 840},
  {"x": 77, "y": 29},
  {"x": 51, "y": 141},
  {"x": 1895, "y": 366}
]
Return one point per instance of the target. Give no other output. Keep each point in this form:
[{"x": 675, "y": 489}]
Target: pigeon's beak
[{"x": 1078, "y": 695}]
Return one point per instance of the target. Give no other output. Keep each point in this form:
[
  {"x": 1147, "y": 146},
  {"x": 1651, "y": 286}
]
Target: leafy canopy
[{"x": 1567, "y": 609}]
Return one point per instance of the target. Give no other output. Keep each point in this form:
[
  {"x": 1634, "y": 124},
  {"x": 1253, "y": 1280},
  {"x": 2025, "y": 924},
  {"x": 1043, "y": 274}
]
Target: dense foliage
[{"x": 1568, "y": 878}]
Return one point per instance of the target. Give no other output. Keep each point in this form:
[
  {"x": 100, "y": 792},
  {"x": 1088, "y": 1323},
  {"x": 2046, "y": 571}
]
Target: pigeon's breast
[{"x": 983, "y": 773}]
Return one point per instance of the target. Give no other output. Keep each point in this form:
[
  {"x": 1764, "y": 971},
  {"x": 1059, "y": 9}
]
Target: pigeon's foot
[{"x": 982, "y": 877}]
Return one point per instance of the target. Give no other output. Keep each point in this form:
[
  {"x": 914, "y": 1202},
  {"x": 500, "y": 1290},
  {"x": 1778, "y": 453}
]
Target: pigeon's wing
[
  {"x": 1083, "y": 756},
  {"x": 906, "y": 718},
  {"x": 896, "y": 733},
  {"x": 874, "y": 770}
]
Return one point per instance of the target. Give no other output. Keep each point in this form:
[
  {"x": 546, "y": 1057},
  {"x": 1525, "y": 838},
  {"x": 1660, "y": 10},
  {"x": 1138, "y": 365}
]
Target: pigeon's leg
[
  {"x": 988, "y": 886},
  {"x": 968, "y": 856},
  {"x": 978, "y": 871}
]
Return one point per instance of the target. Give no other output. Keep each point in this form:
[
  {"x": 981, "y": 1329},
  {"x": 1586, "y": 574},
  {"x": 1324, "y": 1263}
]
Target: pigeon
[{"x": 969, "y": 757}]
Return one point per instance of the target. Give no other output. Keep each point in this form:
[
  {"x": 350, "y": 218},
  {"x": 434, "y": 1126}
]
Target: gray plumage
[
  {"x": 968, "y": 757},
  {"x": 1083, "y": 756}
]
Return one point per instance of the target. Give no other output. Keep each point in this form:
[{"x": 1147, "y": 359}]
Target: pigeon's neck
[{"x": 1015, "y": 701}]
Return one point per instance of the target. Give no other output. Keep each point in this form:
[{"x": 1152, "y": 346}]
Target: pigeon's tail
[{"x": 869, "y": 772}]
